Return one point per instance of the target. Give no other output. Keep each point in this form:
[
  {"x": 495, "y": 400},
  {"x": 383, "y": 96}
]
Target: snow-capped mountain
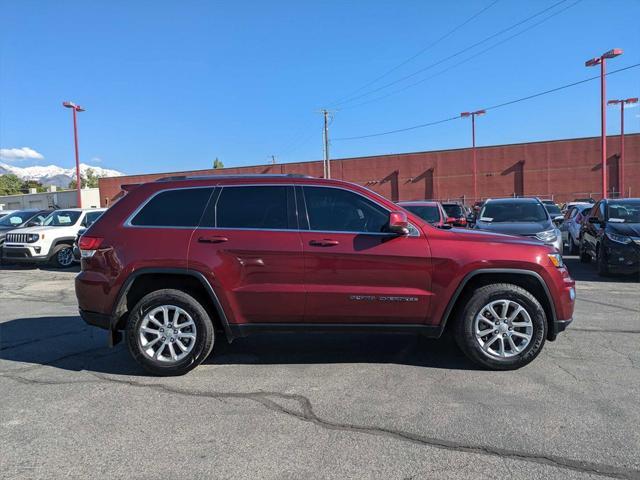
[{"x": 54, "y": 175}]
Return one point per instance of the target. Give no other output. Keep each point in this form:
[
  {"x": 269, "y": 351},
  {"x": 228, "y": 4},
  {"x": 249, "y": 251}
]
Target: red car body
[{"x": 306, "y": 280}]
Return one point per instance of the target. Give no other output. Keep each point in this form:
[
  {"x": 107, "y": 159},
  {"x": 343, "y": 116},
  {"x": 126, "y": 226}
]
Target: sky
[{"x": 172, "y": 85}]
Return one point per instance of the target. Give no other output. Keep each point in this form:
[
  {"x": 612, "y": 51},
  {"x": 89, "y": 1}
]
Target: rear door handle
[
  {"x": 214, "y": 239},
  {"x": 326, "y": 242}
]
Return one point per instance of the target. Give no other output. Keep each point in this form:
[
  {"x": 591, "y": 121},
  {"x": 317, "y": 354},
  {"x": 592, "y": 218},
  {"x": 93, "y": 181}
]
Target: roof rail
[{"x": 231, "y": 176}]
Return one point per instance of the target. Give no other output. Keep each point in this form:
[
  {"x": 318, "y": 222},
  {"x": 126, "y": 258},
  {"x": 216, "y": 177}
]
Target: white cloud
[
  {"x": 24, "y": 153},
  {"x": 96, "y": 160}
]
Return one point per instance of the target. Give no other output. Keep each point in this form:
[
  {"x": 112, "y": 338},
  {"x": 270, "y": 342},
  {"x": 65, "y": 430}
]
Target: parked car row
[
  {"x": 528, "y": 217},
  {"x": 607, "y": 232},
  {"x": 43, "y": 236}
]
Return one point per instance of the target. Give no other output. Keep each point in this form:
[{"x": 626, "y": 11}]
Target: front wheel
[
  {"x": 502, "y": 327},
  {"x": 573, "y": 248},
  {"x": 62, "y": 256},
  {"x": 169, "y": 332},
  {"x": 601, "y": 261}
]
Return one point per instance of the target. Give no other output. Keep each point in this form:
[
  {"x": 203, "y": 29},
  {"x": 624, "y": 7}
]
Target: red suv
[{"x": 182, "y": 262}]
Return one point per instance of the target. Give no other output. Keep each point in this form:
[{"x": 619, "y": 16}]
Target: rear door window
[
  {"x": 264, "y": 207},
  {"x": 174, "y": 208}
]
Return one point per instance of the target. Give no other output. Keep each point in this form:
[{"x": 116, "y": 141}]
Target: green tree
[
  {"x": 87, "y": 180},
  {"x": 10, "y": 184},
  {"x": 27, "y": 184},
  {"x": 217, "y": 164}
]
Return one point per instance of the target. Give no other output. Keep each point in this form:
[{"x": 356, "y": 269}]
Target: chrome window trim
[{"x": 127, "y": 223}]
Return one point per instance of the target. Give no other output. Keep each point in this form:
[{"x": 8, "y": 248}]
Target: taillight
[{"x": 89, "y": 245}]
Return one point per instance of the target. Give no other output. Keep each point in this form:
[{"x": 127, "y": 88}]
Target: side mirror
[{"x": 398, "y": 223}]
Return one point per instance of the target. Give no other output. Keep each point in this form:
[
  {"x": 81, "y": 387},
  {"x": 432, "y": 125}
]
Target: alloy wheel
[
  {"x": 167, "y": 334},
  {"x": 503, "y": 328},
  {"x": 65, "y": 257}
]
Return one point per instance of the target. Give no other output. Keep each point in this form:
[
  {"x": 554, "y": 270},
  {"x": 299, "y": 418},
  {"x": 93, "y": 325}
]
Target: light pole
[
  {"x": 622, "y": 103},
  {"x": 601, "y": 60},
  {"x": 473, "y": 148},
  {"x": 76, "y": 108}
]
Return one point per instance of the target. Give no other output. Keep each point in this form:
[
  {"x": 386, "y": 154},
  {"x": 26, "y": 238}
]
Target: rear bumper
[{"x": 96, "y": 319}]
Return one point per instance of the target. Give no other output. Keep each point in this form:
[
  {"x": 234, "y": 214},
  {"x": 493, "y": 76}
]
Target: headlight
[
  {"x": 556, "y": 259},
  {"x": 33, "y": 237},
  {"x": 548, "y": 236},
  {"x": 614, "y": 237}
]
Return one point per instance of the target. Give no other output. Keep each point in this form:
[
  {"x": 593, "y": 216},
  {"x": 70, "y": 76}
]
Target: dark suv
[
  {"x": 611, "y": 235},
  {"x": 182, "y": 262}
]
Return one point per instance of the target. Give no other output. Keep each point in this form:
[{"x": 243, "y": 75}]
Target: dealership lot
[{"x": 305, "y": 406}]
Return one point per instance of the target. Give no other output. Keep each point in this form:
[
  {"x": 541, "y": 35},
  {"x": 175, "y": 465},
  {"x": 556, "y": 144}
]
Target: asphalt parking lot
[{"x": 305, "y": 406}]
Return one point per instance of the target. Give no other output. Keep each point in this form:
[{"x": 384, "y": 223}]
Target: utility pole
[
  {"x": 473, "y": 149},
  {"x": 273, "y": 159},
  {"x": 325, "y": 138}
]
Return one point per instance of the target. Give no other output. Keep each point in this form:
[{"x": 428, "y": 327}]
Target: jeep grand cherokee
[{"x": 179, "y": 263}]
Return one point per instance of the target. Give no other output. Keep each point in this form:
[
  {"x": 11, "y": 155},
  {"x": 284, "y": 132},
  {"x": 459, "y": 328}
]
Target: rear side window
[
  {"x": 259, "y": 207},
  {"x": 174, "y": 208},
  {"x": 336, "y": 210}
]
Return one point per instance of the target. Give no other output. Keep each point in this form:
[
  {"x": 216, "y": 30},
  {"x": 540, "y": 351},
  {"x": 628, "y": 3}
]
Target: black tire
[
  {"x": 59, "y": 255},
  {"x": 573, "y": 249},
  {"x": 584, "y": 256},
  {"x": 469, "y": 344},
  {"x": 601, "y": 262},
  {"x": 203, "y": 343}
]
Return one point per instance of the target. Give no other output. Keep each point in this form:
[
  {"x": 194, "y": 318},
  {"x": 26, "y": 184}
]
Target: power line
[
  {"x": 459, "y": 52},
  {"x": 420, "y": 52},
  {"x": 451, "y": 67},
  {"x": 493, "y": 107}
]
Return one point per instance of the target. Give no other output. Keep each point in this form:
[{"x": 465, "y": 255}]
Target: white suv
[{"x": 53, "y": 241}]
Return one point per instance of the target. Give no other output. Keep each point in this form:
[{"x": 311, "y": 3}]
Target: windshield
[
  {"x": 429, "y": 213},
  {"x": 455, "y": 211},
  {"x": 553, "y": 209},
  {"x": 513, "y": 212},
  {"x": 92, "y": 217},
  {"x": 15, "y": 219},
  {"x": 62, "y": 218},
  {"x": 624, "y": 211}
]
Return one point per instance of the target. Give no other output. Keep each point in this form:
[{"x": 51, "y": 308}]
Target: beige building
[{"x": 53, "y": 198}]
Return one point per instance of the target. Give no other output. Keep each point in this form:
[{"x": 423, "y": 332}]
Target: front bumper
[
  {"x": 558, "y": 326},
  {"x": 622, "y": 258},
  {"x": 22, "y": 255}
]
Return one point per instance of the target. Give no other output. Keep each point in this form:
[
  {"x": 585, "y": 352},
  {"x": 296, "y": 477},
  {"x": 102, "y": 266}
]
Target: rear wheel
[
  {"x": 502, "y": 327},
  {"x": 169, "y": 332},
  {"x": 62, "y": 256}
]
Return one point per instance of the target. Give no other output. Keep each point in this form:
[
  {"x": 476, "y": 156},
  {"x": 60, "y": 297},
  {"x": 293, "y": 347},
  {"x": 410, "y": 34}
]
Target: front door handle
[
  {"x": 326, "y": 242},
  {"x": 214, "y": 239}
]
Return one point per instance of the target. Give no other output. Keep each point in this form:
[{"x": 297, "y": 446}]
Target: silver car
[{"x": 520, "y": 216}]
